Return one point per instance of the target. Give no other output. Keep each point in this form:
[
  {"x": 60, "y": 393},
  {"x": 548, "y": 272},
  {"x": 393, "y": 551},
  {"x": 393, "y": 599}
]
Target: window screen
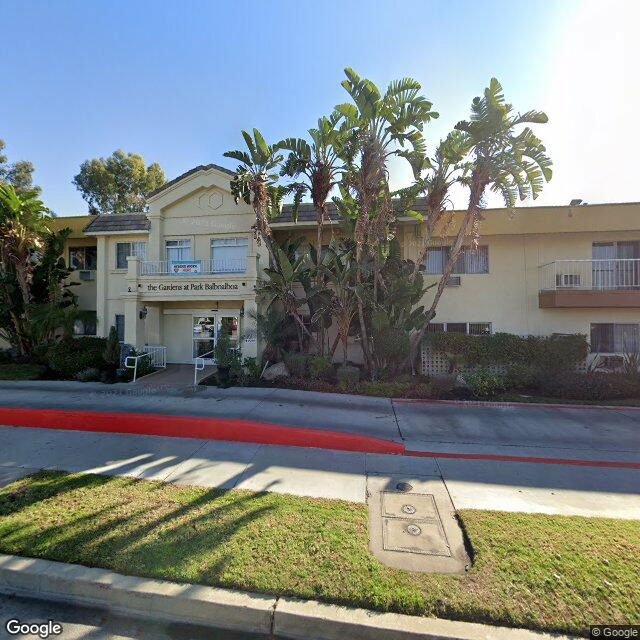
[
  {"x": 615, "y": 338},
  {"x": 126, "y": 249},
  {"x": 468, "y": 261}
]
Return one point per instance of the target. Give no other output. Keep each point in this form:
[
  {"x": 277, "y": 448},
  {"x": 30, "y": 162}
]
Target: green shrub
[
  {"x": 347, "y": 375},
  {"x": 297, "y": 364},
  {"x": 591, "y": 386},
  {"x": 90, "y": 374},
  {"x": 111, "y": 353},
  {"x": 5, "y": 356},
  {"x": 16, "y": 371},
  {"x": 69, "y": 356},
  {"x": 392, "y": 345},
  {"x": 441, "y": 388},
  {"x": 520, "y": 377},
  {"x": 320, "y": 368},
  {"x": 543, "y": 352},
  {"x": 484, "y": 383}
]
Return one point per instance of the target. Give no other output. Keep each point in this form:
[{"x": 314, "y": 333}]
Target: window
[
  {"x": 85, "y": 258},
  {"x": 86, "y": 326},
  {"x": 468, "y": 261},
  {"x": 177, "y": 250},
  {"x": 126, "y": 249},
  {"x": 470, "y": 328},
  {"x": 229, "y": 254},
  {"x": 120, "y": 327},
  {"x": 615, "y": 338}
]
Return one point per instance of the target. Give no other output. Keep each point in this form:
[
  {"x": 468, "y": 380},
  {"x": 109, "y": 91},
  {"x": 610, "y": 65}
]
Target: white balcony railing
[
  {"x": 591, "y": 275},
  {"x": 192, "y": 267}
]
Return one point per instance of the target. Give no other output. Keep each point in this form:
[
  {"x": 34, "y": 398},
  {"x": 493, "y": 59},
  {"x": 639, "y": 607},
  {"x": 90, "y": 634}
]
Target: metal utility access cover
[
  {"x": 415, "y": 536},
  {"x": 413, "y": 505}
]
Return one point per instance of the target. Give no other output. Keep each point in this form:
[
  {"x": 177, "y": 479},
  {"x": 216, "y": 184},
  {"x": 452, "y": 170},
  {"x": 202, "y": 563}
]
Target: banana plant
[
  {"x": 256, "y": 183},
  {"x": 382, "y": 125}
]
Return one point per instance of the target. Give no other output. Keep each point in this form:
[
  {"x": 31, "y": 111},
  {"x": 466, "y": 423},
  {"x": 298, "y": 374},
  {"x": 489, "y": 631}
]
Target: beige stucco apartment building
[{"x": 187, "y": 270}]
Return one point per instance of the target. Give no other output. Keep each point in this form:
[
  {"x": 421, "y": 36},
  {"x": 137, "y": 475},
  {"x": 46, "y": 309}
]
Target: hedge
[
  {"x": 544, "y": 352},
  {"x": 69, "y": 357}
]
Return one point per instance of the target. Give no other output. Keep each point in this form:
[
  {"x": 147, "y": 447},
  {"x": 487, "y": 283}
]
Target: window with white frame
[
  {"x": 470, "y": 328},
  {"x": 229, "y": 254},
  {"x": 84, "y": 258},
  {"x": 615, "y": 338},
  {"x": 126, "y": 249},
  {"x": 177, "y": 250},
  {"x": 469, "y": 261}
]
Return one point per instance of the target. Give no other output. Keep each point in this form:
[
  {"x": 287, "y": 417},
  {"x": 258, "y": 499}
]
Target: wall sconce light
[
  {"x": 143, "y": 313},
  {"x": 242, "y": 313}
]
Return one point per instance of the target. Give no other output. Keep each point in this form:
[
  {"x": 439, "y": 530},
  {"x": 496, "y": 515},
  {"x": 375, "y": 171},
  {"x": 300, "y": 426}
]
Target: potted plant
[{"x": 227, "y": 359}]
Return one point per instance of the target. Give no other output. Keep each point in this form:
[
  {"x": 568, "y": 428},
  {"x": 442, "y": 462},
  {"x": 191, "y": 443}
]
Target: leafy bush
[
  {"x": 484, "y": 383},
  {"x": 347, "y": 375},
  {"x": 90, "y": 374},
  {"x": 543, "y": 352},
  {"x": 591, "y": 386},
  {"x": 15, "y": 371},
  {"x": 296, "y": 364},
  {"x": 251, "y": 367},
  {"x": 320, "y": 368},
  {"x": 392, "y": 345},
  {"x": 227, "y": 356},
  {"x": 520, "y": 377},
  {"x": 69, "y": 356},
  {"x": 112, "y": 350},
  {"x": 5, "y": 356},
  {"x": 441, "y": 388}
]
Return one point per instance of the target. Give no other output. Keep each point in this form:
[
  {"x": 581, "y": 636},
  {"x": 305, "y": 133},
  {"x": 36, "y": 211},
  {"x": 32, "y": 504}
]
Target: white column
[{"x": 102, "y": 275}]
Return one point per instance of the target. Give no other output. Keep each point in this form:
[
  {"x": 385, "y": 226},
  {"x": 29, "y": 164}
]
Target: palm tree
[
  {"x": 320, "y": 166},
  {"x": 381, "y": 125},
  {"x": 280, "y": 286},
  {"x": 22, "y": 227},
  {"x": 341, "y": 300},
  {"x": 255, "y": 182},
  {"x": 505, "y": 158}
]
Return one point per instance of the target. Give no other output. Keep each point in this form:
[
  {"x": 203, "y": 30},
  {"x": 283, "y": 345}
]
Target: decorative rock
[{"x": 277, "y": 370}]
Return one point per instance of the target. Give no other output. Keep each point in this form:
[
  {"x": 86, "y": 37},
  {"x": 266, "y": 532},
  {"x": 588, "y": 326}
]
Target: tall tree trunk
[{"x": 470, "y": 218}]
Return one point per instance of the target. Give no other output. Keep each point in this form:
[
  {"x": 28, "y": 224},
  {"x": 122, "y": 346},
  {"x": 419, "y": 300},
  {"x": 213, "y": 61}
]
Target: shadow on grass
[{"x": 146, "y": 536}]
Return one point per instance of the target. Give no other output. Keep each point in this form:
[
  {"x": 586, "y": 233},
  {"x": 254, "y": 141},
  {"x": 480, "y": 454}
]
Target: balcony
[
  {"x": 192, "y": 267},
  {"x": 585, "y": 284}
]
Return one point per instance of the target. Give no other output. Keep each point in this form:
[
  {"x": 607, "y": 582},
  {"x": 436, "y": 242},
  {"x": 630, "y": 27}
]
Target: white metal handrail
[
  {"x": 135, "y": 364},
  {"x": 601, "y": 274},
  {"x": 205, "y": 266},
  {"x": 157, "y": 355},
  {"x": 197, "y": 361}
]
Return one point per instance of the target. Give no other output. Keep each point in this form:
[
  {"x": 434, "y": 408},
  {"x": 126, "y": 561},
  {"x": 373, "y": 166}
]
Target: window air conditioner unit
[
  {"x": 454, "y": 281},
  {"x": 567, "y": 280},
  {"x": 87, "y": 275}
]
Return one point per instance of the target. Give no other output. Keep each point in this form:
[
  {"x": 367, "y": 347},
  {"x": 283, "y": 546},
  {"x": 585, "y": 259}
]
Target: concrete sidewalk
[
  {"x": 561, "y": 431},
  {"x": 472, "y": 484}
]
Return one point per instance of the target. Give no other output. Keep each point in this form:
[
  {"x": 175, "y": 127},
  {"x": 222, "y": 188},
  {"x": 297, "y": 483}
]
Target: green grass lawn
[
  {"x": 21, "y": 371},
  {"x": 542, "y": 572}
]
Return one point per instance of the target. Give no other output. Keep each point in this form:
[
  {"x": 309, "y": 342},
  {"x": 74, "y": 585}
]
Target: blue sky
[{"x": 177, "y": 81}]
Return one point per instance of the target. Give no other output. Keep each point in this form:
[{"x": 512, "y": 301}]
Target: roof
[
  {"x": 200, "y": 167},
  {"x": 307, "y": 212},
  {"x": 75, "y": 223},
  {"x": 118, "y": 223}
]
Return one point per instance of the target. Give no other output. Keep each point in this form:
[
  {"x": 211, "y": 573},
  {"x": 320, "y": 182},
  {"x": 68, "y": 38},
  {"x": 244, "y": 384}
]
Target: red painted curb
[
  {"x": 514, "y": 405},
  {"x": 613, "y": 464},
  {"x": 194, "y": 427},
  {"x": 251, "y": 432}
]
